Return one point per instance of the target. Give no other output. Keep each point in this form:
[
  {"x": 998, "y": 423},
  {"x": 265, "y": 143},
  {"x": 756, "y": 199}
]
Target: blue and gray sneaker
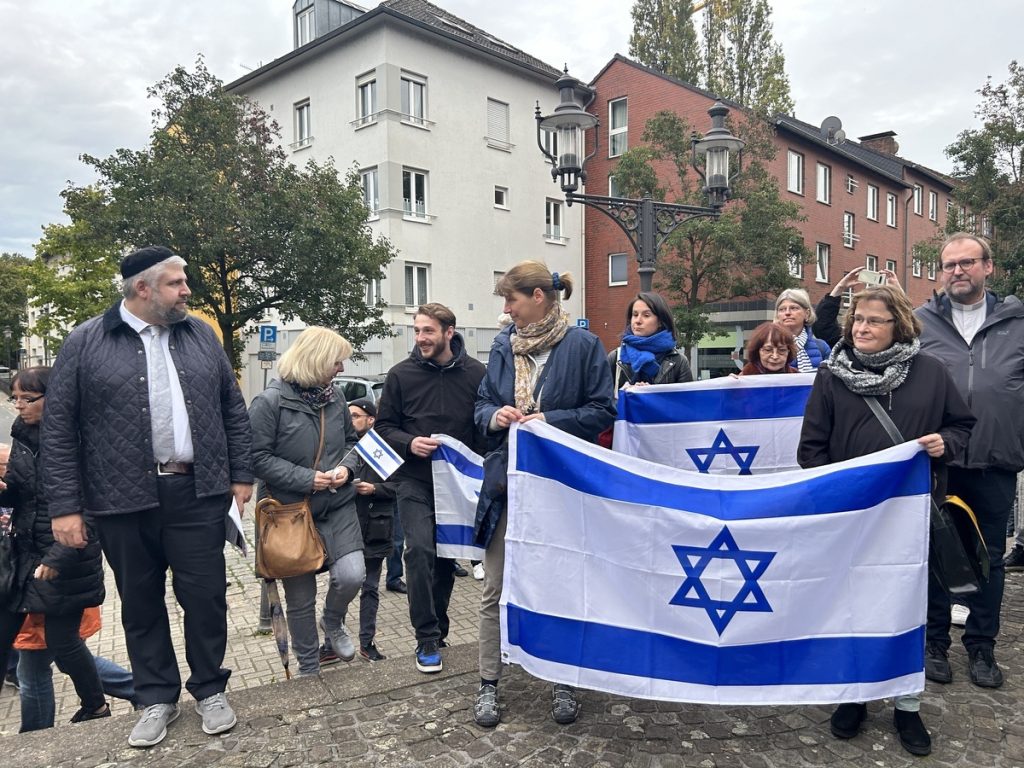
[{"x": 428, "y": 657}]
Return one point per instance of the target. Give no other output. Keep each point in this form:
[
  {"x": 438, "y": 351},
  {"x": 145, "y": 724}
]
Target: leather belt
[{"x": 173, "y": 468}]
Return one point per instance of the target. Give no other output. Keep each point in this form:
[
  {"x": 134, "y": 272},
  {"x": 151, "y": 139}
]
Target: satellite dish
[
  {"x": 829, "y": 127},
  {"x": 840, "y": 136}
]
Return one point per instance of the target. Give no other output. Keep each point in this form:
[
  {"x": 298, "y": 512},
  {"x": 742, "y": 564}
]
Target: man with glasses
[{"x": 980, "y": 338}]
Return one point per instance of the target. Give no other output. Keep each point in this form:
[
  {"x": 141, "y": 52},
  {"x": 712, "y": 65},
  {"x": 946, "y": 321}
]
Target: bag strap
[
  {"x": 319, "y": 450},
  {"x": 885, "y": 420}
]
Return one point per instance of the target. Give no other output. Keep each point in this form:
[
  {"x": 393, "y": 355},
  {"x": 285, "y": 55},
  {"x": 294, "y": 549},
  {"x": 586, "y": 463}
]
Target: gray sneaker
[
  {"x": 152, "y": 726},
  {"x": 217, "y": 714},
  {"x": 342, "y": 643}
]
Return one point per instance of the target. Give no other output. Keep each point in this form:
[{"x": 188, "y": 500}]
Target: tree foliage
[
  {"x": 746, "y": 252},
  {"x": 213, "y": 184},
  {"x": 990, "y": 164},
  {"x": 665, "y": 39},
  {"x": 13, "y": 298}
]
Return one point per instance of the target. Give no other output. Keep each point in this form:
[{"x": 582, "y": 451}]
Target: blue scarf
[{"x": 641, "y": 353}]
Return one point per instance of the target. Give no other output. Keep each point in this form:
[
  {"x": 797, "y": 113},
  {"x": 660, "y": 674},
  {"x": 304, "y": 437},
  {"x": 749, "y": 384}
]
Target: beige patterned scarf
[{"x": 535, "y": 339}]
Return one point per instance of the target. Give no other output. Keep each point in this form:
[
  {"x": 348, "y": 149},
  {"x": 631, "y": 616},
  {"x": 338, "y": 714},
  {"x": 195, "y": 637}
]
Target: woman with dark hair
[
  {"x": 879, "y": 357},
  {"x": 51, "y": 579},
  {"x": 648, "y": 353},
  {"x": 770, "y": 349},
  {"x": 540, "y": 367}
]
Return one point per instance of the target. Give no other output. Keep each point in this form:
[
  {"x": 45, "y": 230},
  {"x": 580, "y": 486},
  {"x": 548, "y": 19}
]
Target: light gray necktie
[{"x": 160, "y": 414}]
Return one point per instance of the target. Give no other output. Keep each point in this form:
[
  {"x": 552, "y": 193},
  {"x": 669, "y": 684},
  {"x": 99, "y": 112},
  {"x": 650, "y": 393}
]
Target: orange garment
[{"x": 33, "y": 638}]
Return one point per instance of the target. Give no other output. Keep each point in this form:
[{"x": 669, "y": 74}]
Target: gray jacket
[
  {"x": 96, "y": 451},
  {"x": 285, "y": 435},
  {"x": 989, "y": 373}
]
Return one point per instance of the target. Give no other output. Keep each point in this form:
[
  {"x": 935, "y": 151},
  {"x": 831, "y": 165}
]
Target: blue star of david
[
  {"x": 751, "y": 566},
  {"x": 703, "y": 457}
]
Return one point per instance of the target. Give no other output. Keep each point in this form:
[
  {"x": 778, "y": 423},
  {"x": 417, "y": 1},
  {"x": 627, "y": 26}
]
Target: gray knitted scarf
[{"x": 882, "y": 372}]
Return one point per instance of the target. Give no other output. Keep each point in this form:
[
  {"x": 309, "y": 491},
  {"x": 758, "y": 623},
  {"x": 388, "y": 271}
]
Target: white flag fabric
[
  {"x": 378, "y": 454},
  {"x": 747, "y": 425},
  {"x": 458, "y": 473},
  {"x": 644, "y": 580}
]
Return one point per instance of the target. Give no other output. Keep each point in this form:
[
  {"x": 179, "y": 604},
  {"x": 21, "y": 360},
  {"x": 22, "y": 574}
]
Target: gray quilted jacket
[{"x": 96, "y": 451}]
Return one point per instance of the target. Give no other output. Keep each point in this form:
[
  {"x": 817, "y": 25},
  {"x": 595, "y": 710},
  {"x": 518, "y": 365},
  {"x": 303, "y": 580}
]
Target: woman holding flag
[
  {"x": 540, "y": 367},
  {"x": 771, "y": 349},
  {"x": 878, "y": 358},
  {"x": 648, "y": 353},
  {"x": 287, "y": 419}
]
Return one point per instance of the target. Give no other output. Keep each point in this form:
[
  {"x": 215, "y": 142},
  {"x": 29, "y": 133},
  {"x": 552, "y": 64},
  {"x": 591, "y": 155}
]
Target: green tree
[
  {"x": 664, "y": 38},
  {"x": 746, "y": 252},
  {"x": 13, "y": 300},
  {"x": 258, "y": 233},
  {"x": 989, "y": 161}
]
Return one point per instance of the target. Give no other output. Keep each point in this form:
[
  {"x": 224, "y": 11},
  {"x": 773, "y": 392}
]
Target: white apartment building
[{"x": 437, "y": 116}]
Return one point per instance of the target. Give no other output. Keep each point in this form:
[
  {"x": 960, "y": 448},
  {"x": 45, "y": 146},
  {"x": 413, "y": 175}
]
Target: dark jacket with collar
[
  {"x": 79, "y": 582},
  {"x": 988, "y": 373},
  {"x": 376, "y": 513},
  {"x": 97, "y": 454},
  {"x": 421, "y": 398},
  {"x": 673, "y": 368}
]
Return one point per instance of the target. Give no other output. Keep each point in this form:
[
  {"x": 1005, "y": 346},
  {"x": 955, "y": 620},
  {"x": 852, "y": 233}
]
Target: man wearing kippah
[{"x": 146, "y": 439}]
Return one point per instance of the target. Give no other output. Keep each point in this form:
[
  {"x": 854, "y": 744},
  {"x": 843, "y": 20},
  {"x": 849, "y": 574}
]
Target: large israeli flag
[
  {"x": 746, "y": 425},
  {"x": 457, "y": 472},
  {"x": 644, "y": 580}
]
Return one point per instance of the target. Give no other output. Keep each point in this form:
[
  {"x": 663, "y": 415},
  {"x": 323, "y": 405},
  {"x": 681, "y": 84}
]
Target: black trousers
[
  {"x": 990, "y": 493},
  {"x": 429, "y": 578},
  {"x": 185, "y": 534}
]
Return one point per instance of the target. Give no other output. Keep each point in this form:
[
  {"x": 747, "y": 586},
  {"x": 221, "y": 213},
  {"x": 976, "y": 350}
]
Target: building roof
[
  {"x": 668, "y": 78},
  {"x": 417, "y": 13}
]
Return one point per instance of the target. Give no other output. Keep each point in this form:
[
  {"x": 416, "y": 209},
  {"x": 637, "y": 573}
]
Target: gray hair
[
  {"x": 150, "y": 276},
  {"x": 798, "y": 296}
]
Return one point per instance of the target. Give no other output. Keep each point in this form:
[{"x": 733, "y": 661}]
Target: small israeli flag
[{"x": 379, "y": 455}]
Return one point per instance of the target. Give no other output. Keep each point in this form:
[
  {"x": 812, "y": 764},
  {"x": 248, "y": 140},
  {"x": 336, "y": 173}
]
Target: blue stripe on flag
[
  {"x": 375, "y": 465},
  {"x": 715, "y": 405},
  {"x": 388, "y": 450},
  {"x": 810, "y": 661},
  {"x": 455, "y": 534},
  {"x": 841, "y": 491},
  {"x": 459, "y": 462}
]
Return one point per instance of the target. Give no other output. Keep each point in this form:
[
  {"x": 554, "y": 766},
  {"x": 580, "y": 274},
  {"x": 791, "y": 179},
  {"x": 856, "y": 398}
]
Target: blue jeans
[{"x": 35, "y": 674}]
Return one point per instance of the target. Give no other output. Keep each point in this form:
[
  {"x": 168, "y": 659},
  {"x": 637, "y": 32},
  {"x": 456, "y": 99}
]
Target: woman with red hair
[{"x": 771, "y": 349}]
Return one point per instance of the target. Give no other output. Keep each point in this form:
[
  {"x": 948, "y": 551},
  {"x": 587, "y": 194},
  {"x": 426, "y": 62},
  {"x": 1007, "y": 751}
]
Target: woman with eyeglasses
[
  {"x": 770, "y": 349},
  {"x": 879, "y": 356},
  {"x": 794, "y": 313},
  {"x": 50, "y": 579}
]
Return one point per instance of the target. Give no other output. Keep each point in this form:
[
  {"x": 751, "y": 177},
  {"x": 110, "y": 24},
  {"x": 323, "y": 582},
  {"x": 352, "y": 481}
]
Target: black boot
[
  {"x": 846, "y": 720},
  {"x": 913, "y": 735}
]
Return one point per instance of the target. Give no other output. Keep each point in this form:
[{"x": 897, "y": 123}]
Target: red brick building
[{"x": 864, "y": 205}]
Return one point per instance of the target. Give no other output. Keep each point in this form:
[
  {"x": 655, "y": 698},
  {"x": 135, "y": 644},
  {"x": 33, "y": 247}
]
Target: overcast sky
[{"x": 74, "y": 73}]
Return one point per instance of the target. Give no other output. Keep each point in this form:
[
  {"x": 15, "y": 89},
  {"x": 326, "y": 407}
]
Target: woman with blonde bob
[
  {"x": 286, "y": 421},
  {"x": 793, "y": 312}
]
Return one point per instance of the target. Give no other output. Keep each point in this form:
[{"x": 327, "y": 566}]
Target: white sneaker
[
  {"x": 958, "y": 615},
  {"x": 478, "y": 571}
]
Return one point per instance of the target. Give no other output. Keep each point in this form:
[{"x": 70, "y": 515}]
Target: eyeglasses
[
  {"x": 25, "y": 399},
  {"x": 964, "y": 264},
  {"x": 774, "y": 350},
  {"x": 874, "y": 322}
]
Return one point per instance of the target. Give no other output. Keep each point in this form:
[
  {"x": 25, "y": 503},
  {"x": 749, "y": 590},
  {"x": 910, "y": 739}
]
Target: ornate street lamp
[{"x": 646, "y": 222}]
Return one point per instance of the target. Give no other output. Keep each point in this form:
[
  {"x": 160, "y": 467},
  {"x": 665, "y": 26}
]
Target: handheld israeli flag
[
  {"x": 378, "y": 454},
  {"x": 458, "y": 473},
  {"x": 746, "y": 425},
  {"x": 788, "y": 588}
]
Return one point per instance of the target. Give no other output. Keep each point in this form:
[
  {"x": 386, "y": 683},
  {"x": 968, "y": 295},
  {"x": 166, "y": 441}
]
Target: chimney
[{"x": 884, "y": 142}]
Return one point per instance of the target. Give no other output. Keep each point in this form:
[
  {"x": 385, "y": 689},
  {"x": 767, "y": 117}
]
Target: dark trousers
[
  {"x": 185, "y": 534},
  {"x": 69, "y": 651},
  {"x": 429, "y": 578},
  {"x": 369, "y": 600},
  {"x": 395, "y": 571},
  {"x": 990, "y": 493}
]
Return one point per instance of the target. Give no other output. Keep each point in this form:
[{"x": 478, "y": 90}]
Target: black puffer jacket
[
  {"x": 673, "y": 368},
  {"x": 79, "y": 583},
  {"x": 97, "y": 455}
]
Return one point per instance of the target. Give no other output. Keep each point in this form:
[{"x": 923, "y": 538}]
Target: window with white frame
[
  {"x": 618, "y": 269},
  {"x": 872, "y": 202},
  {"x": 618, "y": 127},
  {"x": 414, "y": 99},
  {"x": 890, "y": 264},
  {"x": 303, "y": 131},
  {"x": 933, "y": 206},
  {"x": 915, "y": 264},
  {"x": 501, "y": 197},
  {"x": 796, "y": 263},
  {"x": 550, "y": 141},
  {"x": 305, "y": 26},
  {"x": 497, "y": 278},
  {"x": 497, "y": 125},
  {"x": 986, "y": 226},
  {"x": 795, "y": 172},
  {"x": 851, "y": 183},
  {"x": 373, "y": 292},
  {"x": 871, "y": 262},
  {"x": 613, "y": 186},
  {"x": 849, "y": 233},
  {"x": 972, "y": 223},
  {"x": 821, "y": 270},
  {"x": 416, "y": 279},
  {"x": 824, "y": 192},
  {"x": 414, "y": 193},
  {"x": 553, "y": 220},
  {"x": 890, "y": 209},
  {"x": 371, "y": 196},
  {"x": 931, "y": 270},
  {"x": 918, "y": 200},
  {"x": 366, "y": 101}
]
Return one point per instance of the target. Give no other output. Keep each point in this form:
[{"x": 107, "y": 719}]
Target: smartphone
[{"x": 870, "y": 277}]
